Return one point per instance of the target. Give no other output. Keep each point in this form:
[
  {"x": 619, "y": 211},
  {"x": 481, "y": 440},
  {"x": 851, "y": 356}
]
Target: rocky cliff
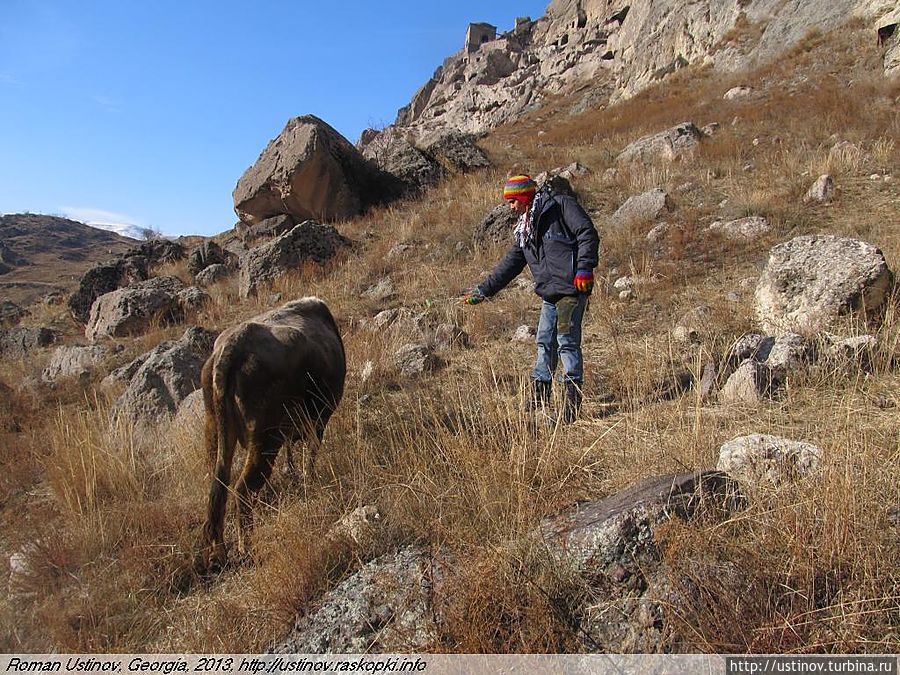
[{"x": 610, "y": 49}]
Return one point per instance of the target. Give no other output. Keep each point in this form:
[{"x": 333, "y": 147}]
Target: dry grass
[{"x": 105, "y": 522}]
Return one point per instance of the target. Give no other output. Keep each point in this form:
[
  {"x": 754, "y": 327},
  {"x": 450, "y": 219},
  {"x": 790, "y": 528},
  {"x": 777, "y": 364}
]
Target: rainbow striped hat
[{"x": 520, "y": 188}]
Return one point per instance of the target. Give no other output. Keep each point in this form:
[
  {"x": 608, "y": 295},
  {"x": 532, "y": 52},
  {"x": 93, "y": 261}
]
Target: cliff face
[{"x": 613, "y": 49}]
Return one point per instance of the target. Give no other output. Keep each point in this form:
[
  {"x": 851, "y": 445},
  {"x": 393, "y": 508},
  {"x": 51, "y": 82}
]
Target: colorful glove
[
  {"x": 474, "y": 297},
  {"x": 584, "y": 281}
]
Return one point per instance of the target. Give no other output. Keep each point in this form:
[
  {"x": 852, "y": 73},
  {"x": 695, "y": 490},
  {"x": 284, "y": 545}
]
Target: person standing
[{"x": 559, "y": 243}]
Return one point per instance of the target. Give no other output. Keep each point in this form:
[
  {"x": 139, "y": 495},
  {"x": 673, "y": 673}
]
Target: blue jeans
[{"x": 559, "y": 339}]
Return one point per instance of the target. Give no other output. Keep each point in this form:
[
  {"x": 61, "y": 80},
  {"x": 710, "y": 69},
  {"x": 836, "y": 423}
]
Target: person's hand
[
  {"x": 584, "y": 281},
  {"x": 473, "y": 298}
]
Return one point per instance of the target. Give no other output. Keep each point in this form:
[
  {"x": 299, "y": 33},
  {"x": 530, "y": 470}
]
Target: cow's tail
[{"x": 224, "y": 377}]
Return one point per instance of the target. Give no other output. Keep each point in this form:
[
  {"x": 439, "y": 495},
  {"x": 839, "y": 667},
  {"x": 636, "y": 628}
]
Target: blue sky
[{"x": 148, "y": 112}]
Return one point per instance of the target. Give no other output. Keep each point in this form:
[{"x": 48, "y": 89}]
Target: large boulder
[
  {"x": 811, "y": 281},
  {"x": 611, "y": 544},
  {"x": 136, "y": 309},
  {"x": 308, "y": 171},
  {"x": 158, "y": 381},
  {"x": 105, "y": 278},
  {"x": 664, "y": 146},
  {"x": 412, "y": 167},
  {"x": 307, "y": 241}
]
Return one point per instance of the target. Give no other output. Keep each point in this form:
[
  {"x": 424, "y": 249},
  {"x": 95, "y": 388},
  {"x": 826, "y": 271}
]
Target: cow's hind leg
[{"x": 260, "y": 460}]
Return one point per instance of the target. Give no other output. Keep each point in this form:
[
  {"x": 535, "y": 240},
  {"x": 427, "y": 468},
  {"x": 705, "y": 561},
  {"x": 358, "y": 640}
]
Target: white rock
[{"x": 764, "y": 459}]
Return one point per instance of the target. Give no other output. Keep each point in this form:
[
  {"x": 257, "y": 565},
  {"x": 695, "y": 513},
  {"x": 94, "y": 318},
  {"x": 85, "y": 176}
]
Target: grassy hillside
[{"x": 103, "y": 521}]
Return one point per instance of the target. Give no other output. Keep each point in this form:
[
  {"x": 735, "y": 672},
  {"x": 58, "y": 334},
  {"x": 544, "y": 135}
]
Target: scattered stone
[
  {"x": 449, "y": 335},
  {"x": 711, "y": 129},
  {"x": 10, "y": 313},
  {"x": 164, "y": 377},
  {"x": 135, "y": 309},
  {"x": 747, "y": 385},
  {"x": 658, "y": 233},
  {"x": 20, "y": 341},
  {"x": 75, "y": 362},
  {"x": 665, "y": 146},
  {"x": 761, "y": 459},
  {"x": 523, "y": 333},
  {"x": 415, "y": 359},
  {"x": 737, "y": 93},
  {"x": 644, "y": 207},
  {"x": 212, "y": 274},
  {"x": 742, "y": 229},
  {"x": 497, "y": 226},
  {"x": 208, "y": 253},
  {"x": 822, "y": 191},
  {"x": 381, "y": 291},
  {"x": 388, "y": 606}
]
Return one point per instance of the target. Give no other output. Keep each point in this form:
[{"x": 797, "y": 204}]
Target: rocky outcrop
[
  {"x": 613, "y": 49},
  {"x": 418, "y": 165},
  {"x": 135, "y": 309},
  {"x": 610, "y": 544},
  {"x": 131, "y": 267},
  {"x": 811, "y": 281},
  {"x": 308, "y": 171}
]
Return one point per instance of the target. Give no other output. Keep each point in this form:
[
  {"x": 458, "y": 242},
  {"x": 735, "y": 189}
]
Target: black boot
[
  {"x": 540, "y": 395},
  {"x": 571, "y": 401}
]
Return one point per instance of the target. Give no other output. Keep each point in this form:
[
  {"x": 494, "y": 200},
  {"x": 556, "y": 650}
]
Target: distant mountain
[
  {"x": 130, "y": 231},
  {"x": 41, "y": 254}
]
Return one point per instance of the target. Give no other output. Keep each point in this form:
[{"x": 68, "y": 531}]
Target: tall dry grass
[{"x": 102, "y": 519}]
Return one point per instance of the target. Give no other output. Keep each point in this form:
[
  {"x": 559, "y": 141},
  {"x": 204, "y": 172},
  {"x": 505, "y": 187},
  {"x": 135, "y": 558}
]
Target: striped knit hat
[{"x": 520, "y": 188}]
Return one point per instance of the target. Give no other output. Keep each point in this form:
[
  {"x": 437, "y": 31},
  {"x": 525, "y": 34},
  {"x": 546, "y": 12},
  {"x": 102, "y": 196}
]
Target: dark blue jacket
[{"x": 565, "y": 241}]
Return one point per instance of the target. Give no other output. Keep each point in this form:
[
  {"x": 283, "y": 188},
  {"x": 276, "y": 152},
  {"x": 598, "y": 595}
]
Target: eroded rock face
[
  {"x": 309, "y": 171},
  {"x": 613, "y": 49},
  {"x": 811, "y": 281},
  {"x": 307, "y": 241}
]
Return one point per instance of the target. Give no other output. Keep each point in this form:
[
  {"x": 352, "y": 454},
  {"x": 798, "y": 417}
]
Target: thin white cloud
[
  {"x": 6, "y": 78},
  {"x": 107, "y": 103}
]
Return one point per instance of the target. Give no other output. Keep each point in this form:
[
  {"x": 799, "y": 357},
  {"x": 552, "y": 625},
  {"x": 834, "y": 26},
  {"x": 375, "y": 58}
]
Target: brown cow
[{"x": 272, "y": 379}]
